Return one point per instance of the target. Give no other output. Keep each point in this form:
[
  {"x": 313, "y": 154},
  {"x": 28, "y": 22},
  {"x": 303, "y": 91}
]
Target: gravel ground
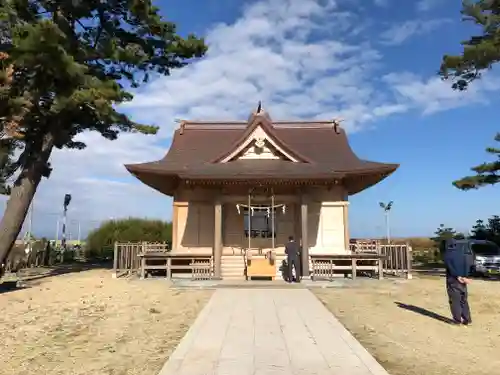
[
  {"x": 88, "y": 323},
  {"x": 403, "y": 325}
]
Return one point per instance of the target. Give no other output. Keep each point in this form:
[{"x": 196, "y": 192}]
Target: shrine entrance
[
  {"x": 266, "y": 227},
  {"x": 261, "y": 216}
]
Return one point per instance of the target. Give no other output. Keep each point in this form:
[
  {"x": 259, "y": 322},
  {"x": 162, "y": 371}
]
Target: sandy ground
[
  {"x": 89, "y": 323},
  {"x": 415, "y": 340}
]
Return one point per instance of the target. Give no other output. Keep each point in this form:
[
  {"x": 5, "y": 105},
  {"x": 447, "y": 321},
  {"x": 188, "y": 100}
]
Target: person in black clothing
[
  {"x": 292, "y": 252},
  {"x": 457, "y": 272}
]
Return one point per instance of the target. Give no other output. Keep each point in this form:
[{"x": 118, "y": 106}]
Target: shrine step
[{"x": 232, "y": 267}]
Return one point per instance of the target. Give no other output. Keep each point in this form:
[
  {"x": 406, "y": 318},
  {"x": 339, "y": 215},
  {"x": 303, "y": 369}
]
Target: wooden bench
[
  {"x": 199, "y": 265},
  {"x": 324, "y": 266}
]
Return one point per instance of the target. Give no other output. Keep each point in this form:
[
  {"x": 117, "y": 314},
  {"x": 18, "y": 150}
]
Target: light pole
[
  {"x": 30, "y": 226},
  {"x": 67, "y": 200},
  {"x": 57, "y": 232},
  {"x": 387, "y": 209},
  {"x": 78, "y": 223},
  {"x": 28, "y": 234}
]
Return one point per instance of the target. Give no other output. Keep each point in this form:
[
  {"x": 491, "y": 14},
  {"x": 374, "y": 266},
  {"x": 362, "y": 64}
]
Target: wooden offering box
[{"x": 261, "y": 267}]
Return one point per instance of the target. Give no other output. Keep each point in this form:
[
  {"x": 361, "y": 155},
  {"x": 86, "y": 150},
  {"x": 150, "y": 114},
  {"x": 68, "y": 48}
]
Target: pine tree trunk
[{"x": 21, "y": 196}]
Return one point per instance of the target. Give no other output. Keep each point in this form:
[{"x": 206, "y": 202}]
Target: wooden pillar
[
  {"x": 143, "y": 266},
  {"x": 305, "y": 237},
  {"x": 115, "y": 261},
  {"x": 169, "y": 268},
  {"x": 346, "y": 227},
  {"x": 175, "y": 219},
  {"x": 409, "y": 261},
  {"x": 217, "y": 250},
  {"x": 380, "y": 262},
  {"x": 297, "y": 229}
]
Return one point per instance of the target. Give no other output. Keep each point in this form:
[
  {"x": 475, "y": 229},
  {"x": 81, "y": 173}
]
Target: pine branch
[
  {"x": 480, "y": 52},
  {"x": 69, "y": 60},
  {"x": 486, "y": 173},
  {"x": 476, "y": 182}
]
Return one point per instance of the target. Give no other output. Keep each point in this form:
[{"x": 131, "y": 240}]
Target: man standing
[
  {"x": 457, "y": 272},
  {"x": 292, "y": 252}
]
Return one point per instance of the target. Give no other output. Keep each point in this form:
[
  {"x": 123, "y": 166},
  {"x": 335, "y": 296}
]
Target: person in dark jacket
[
  {"x": 292, "y": 252},
  {"x": 457, "y": 265}
]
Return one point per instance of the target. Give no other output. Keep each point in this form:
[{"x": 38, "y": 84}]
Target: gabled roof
[
  {"x": 320, "y": 149},
  {"x": 262, "y": 120}
]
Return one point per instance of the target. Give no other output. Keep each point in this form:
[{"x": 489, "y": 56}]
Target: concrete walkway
[{"x": 269, "y": 332}]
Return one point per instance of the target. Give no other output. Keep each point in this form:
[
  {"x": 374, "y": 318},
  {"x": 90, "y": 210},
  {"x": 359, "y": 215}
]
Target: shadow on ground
[
  {"x": 424, "y": 312},
  {"x": 32, "y": 274},
  {"x": 10, "y": 286}
]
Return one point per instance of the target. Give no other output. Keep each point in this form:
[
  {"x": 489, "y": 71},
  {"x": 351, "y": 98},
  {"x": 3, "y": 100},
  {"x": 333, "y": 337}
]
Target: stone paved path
[{"x": 269, "y": 332}]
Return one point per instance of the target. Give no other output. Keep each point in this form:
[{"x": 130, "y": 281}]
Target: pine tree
[
  {"x": 486, "y": 173},
  {"x": 64, "y": 67},
  {"x": 480, "y": 52},
  {"x": 493, "y": 228},
  {"x": 446, "y": 233},
  {"x": 7, "y": 167},
  {"x": 479, "y": 231},
  {"x": 8, "y": 125},
  {"x": 442, "y": 234}
]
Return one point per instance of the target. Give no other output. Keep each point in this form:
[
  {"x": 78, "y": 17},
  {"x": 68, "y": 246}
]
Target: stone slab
[{"x": 269, "y": 332}]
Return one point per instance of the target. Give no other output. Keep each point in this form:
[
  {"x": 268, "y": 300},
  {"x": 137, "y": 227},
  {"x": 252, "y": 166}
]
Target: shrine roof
[{"x": 202, "y": 150}]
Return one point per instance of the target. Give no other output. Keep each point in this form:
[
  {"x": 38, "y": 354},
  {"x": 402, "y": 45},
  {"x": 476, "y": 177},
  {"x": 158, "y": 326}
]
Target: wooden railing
[
  {"x": 40, "y": 256},
  {"x": 144, "y": 258},
  {"x": 199, "y": 266},
  {"x": 328, "y": 266},
  {"x": 369, "y": 257},
  {"x": 398, "y": 260},
  {"x": 397, "y": 257},
  {"x": 126, "y": 260}
]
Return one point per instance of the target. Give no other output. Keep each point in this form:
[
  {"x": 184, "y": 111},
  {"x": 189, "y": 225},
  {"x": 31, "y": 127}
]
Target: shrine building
[{"x": 241, "y": 188}]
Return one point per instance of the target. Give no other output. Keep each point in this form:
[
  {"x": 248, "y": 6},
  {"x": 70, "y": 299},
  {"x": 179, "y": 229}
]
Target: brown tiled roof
[{"x": 322, "y": 151}]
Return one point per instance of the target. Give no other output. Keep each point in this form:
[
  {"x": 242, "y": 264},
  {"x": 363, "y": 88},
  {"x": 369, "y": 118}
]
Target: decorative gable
[
  {"x": 259, "y": 145},
  {"x": 260, "y": 149}
]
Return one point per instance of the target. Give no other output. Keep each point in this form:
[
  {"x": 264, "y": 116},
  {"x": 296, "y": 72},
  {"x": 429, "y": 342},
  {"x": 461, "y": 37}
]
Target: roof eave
[
  {"x": 358, "y": 182},
  {"x": 380, "y": 168},
  {"x": 164, "y": 182}
]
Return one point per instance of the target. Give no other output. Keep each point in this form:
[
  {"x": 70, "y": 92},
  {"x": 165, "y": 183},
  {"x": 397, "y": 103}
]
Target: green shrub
[{"x": 101, "y": 240}]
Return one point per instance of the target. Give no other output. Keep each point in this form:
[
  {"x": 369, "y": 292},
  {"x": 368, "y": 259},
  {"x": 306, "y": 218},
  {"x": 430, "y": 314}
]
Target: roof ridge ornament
[
  {"x": 336, "y": 124},
  {"x": 259, "y": 107},
  {"x": 182, "y": 125},
  {"x": 259, "y": 113}
]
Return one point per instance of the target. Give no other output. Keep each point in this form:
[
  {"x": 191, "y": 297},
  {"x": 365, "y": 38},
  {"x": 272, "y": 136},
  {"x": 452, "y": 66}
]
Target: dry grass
[
  {"x": 410, "y": 343},
  {"x": 88, "y": 323}
]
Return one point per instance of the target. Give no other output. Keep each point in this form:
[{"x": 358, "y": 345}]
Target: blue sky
[{"x": 372, "y": 62}]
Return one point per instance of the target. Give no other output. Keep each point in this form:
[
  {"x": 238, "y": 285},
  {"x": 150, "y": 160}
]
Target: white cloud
[
  {"x": 434, "y": 95},
  {"x": 426, "y": 5},
  {"x": 303, "y": 59},
  {"x": 399, "y": 33},
  {"x": 99, "y": 184},
  {"x": 381, "y": 3}
]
